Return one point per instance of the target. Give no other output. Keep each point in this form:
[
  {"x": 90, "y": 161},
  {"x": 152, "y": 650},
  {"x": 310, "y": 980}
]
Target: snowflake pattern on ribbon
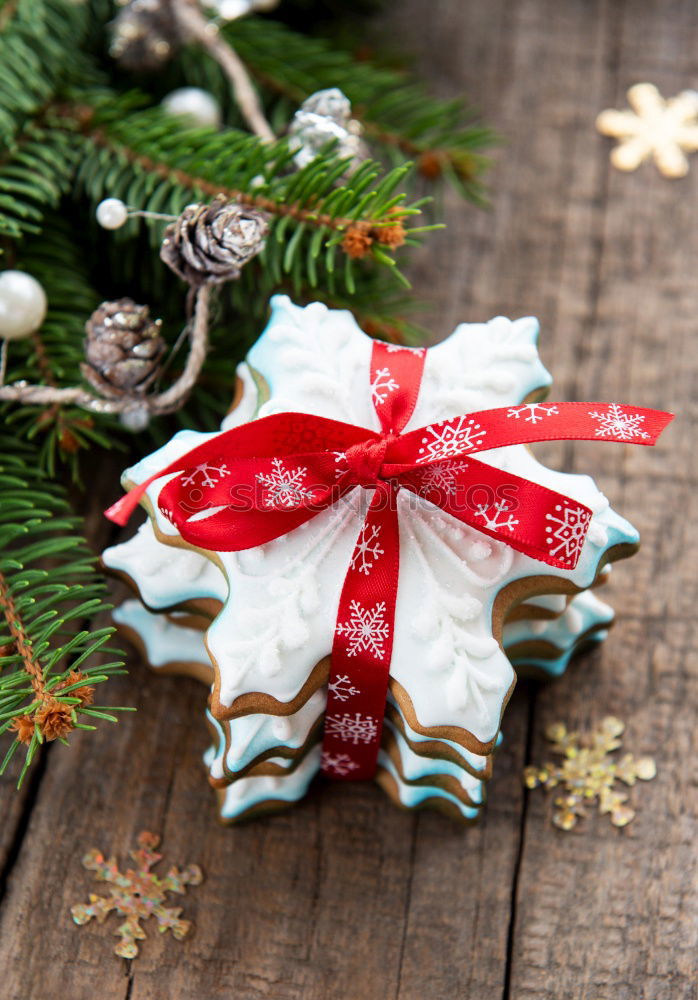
[
  {"x": 285, "y": 487},
  {"x": 450, "y": 439},
  {"x": 566, "y": 535},
  {"x": 367, "y": 550},
  {"x": 206, "y": 475},
  {"x": 338, "y": 763},
  {"x": 137, "y": 894},
  {"x": 340, "y": 460},
  {"x": 342, "y": 688},
  {"x": 618, "y": 423},
  {"x": 366, "y": 630},
  {"x": 394, "y": 348},
  {"x": 383, "y": 385},
  {"x": 533, "y": 413},
  {"x": 442, "y": 477},
  {"x": 497, "y": 521},
  {"x": 356, "y": 728}
]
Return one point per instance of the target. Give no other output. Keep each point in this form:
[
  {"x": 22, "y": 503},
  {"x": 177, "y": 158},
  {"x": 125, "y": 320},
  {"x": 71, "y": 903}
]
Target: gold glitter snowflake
[
  {"x": 664, "y": 129},
  {"x": 137, "y": 894},
  {"x": 588, "y": 773}
]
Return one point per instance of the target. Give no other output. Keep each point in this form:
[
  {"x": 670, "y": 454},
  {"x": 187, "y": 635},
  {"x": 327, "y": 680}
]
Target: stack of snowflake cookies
[{"x": 257, "y": 625}]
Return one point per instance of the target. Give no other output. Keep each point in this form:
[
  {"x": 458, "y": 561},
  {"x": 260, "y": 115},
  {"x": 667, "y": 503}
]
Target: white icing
[
  {"x": 166, "y": 575},
  {"x": 584, "y": 611},
  {"x": 248, "y": 402},
  {"x": 250, "y": 736},
  {"x": 164, "y": 642},
  {"x": 280, "y": 615},
  {"x": 245, "y": 793},
  {"x": 414, "y": 768},
  {"x": 413, "y": 796},
  {"x": 551, "y": 602}
]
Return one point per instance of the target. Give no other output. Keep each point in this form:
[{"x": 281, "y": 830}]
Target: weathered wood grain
[
  {"x": 606, "y": 261},
  {"x": 345, "y": 896}
]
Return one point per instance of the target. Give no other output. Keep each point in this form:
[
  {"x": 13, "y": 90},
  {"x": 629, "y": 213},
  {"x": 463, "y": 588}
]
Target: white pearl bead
[
  {"x": 112, "y": 213},
  {"x": 229, "y": 10},
  {"x": 135, "y": 418},
  {"x": 193, "y": 103},
  {"x": 22, "y": 305}
]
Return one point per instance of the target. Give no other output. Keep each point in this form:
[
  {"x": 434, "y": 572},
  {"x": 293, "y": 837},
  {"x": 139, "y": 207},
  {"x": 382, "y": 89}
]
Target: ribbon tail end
[{"x": 121, "y": 511}]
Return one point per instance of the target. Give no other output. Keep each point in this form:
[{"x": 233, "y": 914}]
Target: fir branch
[
  {"x": 312, "y": 210},
  {"x": 398, "y": 115},
  {"x": 38, "y": 40},
  {"x": 47, "y": 677},
  {"x": 36, "y": 170}
]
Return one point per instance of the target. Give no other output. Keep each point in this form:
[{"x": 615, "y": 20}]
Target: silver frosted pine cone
[
  {"x": 144, "y": 34},
  {"x": 323, "y": 117},
  {"x": 123, "y": 349},
  {"x": 210, "y": 244}
]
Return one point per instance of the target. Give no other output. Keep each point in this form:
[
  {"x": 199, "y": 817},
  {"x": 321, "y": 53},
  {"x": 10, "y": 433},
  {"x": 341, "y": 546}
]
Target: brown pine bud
[
  {"x": 23, "y": 727},
  {"x": 55, "y": 720},
  {"x": 357, "y": 240},
  {"x": 392, "y": 236},
  {"x": 429, "y": 165},
  {"x": 85, "y": 694}
]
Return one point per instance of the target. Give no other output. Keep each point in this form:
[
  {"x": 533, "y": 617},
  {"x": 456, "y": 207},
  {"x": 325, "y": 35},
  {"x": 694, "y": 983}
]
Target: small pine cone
[
  {"x": 329, "y": 103},
  {"x": 55, "y": 720},
  {"x": 123, "y": 349},
  {"x": 210, "y": 244},
  {"x": 144, "y": 35}
]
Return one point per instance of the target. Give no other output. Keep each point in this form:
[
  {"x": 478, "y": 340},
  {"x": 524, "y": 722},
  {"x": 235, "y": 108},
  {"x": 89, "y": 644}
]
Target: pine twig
[
  {"x": 280, "y": 209},
  {"x": 196, "y": 26},
  {"x": 31, "y": 665}
]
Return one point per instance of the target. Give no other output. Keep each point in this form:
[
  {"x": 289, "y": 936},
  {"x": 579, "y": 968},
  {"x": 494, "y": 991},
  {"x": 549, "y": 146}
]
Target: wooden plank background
[{"x": 345, "y": 896}]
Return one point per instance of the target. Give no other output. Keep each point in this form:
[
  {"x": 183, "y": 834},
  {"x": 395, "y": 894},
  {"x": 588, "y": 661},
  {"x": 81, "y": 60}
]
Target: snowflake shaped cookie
[
  {"x": 278, "y": 622},
  {"x": 656, "y": 127}
]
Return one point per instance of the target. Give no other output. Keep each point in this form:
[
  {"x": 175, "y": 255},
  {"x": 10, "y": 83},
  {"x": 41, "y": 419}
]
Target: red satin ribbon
[{"x": 261, "y": 480}]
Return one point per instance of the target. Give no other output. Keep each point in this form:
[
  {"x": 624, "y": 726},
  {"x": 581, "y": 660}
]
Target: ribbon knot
[{"x": 365, "y": 460}]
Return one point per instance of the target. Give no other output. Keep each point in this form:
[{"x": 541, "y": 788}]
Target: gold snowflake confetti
[
  {"x": 588, "y": 773},
  {"x": 137, "y": 894},
  {"x": 664, "y": 129}
]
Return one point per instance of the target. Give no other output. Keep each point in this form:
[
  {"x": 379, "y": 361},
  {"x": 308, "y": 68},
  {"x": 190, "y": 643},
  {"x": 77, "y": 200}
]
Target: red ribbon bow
[{"x": 261, "y": 480}]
